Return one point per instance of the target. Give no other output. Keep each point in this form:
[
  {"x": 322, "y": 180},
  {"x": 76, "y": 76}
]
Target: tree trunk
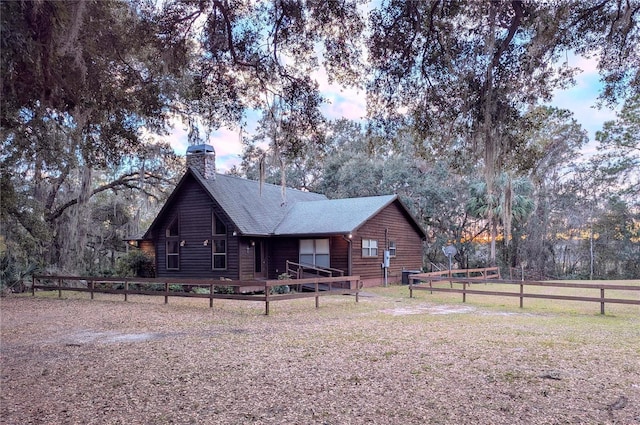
[
  {"x": 493, "y": 225},
  {"x": 591, "y": 259}
]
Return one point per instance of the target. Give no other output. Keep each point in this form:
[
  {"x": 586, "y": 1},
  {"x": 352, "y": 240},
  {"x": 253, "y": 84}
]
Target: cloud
[
  {"x": 349, "y": 104},
  {"x": 582, "y": 99},
  {"x": 342, "y": 102},
  {"x": 225, "y": 141}
]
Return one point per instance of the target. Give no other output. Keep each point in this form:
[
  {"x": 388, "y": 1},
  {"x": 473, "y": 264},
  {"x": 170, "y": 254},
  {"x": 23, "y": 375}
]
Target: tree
[
  {"x": 73, "y": 234},
  {"x": 365, "y": 162},
  {"x": 262, "y": 56},
  {"x": 467, "y": 72},
  {"x": 472, "y": 68},
  {"x": 554, "y": 141},
  {"x": 61, "y": 81},
  {"x": 74, "y": 106},
  {"x": 619, "y": 146},
  {"x": 514, "y": 205},
  {"x": 591, "y": 186},
  {"x": 617, "y": 241}
]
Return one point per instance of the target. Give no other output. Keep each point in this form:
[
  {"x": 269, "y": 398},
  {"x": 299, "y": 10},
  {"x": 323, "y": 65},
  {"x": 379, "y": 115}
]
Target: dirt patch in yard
[
  {"x": 386, "y": 360},
  {"x": 429, "y": 309}
]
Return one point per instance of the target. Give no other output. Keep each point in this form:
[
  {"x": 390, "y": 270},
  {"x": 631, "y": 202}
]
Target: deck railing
[
  {"x": 301, "y": 270},
  {"x": 208, "y": 288}
]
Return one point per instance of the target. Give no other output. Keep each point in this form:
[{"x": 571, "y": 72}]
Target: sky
[{"x": 580, "y": 99}]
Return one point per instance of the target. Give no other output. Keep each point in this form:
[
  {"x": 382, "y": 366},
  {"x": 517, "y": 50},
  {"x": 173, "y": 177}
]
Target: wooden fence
[
  {"x": 414, "y": 284},
  {"x": 482, "y": 273},
  {"x": 209, "y": 288}
]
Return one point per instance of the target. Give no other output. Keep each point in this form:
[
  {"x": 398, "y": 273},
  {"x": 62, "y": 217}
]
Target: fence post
[
  {"x": 357, "y": 289},
  {"x": 317, "y": 295},
  {"x": 266, "y": 298},
  {"x": 410, "y": 287},
  {"x": 59, "y": 288},
  {"x": 211, "y": 295},
  {"x": 93, "y": 287},
  {"x": 166, "y": 292},
  {"x": 126, "y": 290},
  {"x": 602, "y": 300},
  {"x": 464, "y": 292},
  {"x": 33, "y": 285},
  {"x": 521, "y": 292}
]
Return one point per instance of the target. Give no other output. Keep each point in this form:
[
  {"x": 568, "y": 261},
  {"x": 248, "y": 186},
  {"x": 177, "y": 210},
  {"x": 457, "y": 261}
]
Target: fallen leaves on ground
[{"x": 385, "y": 360}]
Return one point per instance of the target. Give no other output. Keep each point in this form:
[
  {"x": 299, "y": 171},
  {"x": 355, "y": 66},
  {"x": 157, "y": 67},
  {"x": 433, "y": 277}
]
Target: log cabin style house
[{"x": 221, "y": 226}]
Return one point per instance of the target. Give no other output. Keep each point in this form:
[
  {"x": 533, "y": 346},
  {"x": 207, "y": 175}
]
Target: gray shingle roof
[
  {"x": 253, "y": 212},
  {"x": 264, "y": 211},
  {"x": 332, "y": 216}
]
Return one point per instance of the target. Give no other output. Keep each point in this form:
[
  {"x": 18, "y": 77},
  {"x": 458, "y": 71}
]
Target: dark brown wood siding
[
  {"x": 246, "y": 259},
  {"x": 148, "y": 248},
  {"x": 340, "y": 254},
  {"x": 399, "y": 229},
  {"x": 283, "y": 249},
  {"x": 193, "y": 207}
]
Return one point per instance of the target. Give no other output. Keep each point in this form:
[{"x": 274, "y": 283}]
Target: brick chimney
[{"x": 203, "y": 159}]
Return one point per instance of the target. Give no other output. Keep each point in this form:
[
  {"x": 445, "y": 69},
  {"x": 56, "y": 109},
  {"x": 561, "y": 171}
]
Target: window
[
  {"x": 172, "y": 229},
  {"x": 369, "y": 248},
  {"x": 219, "y": 254},
  {"x": 218, "y": 226},
  {"x": 392, "y": 249},
  {"x": 173, "y": 245},
  {"x": 315, "y": 252},
  {"x": 219, "y": 244}
]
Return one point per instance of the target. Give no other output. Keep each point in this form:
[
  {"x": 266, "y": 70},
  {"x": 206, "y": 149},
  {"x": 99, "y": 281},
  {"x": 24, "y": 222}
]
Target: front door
[{"x": 260, "y": 263}]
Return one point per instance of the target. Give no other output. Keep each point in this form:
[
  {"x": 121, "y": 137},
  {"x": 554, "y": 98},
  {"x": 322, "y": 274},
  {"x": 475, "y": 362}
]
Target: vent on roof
[{"x": 202, "y": 158}]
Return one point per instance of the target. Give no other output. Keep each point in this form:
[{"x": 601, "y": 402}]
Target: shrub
[
  {"x": 223, "y": 289},
  {"x": 136, "y": 263},
  {"x": 13, "y": 274},
  {"x": 280, "y": 289},
  {"x": 201, "y": 290}
]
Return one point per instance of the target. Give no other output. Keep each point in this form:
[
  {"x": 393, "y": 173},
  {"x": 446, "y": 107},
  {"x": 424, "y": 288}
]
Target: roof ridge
[{"x": 266, "y": 183}]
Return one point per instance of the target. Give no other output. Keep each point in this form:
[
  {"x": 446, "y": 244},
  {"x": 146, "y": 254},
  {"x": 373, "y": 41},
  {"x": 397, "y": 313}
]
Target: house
[{"x": 221, "y": 226}]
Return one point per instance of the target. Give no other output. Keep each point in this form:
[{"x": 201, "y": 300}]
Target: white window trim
[
  {"x": 393, "y": 249},
  {"x": 368, "y": 247},
  {"x": 315, "y": 253}
]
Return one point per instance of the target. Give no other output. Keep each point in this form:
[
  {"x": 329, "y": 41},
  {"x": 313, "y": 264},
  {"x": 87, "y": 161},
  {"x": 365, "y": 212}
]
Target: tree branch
[
  {"x": 228, "y": 27},
  {"x": 56, "y": 187},
  {"x": 513, "y": 28},
  {"x": 127, "y": 181}
]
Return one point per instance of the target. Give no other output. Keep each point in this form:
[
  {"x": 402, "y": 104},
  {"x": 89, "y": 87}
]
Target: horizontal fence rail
[
  {"x": 262, "y": 291},
  {"x": 414, "y": 284},
  {"x": 481, "y": 273}
]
